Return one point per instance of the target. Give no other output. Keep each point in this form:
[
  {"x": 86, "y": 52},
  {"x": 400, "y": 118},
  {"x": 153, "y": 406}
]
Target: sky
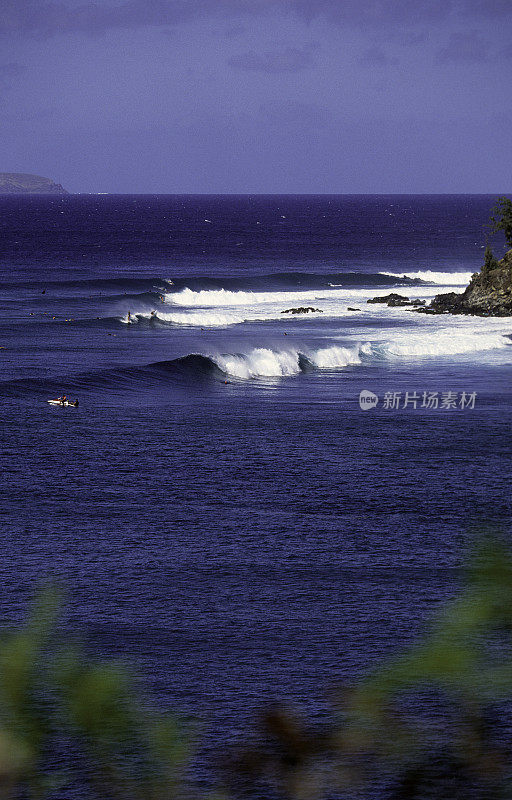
[{"x": 258, "y": 96}]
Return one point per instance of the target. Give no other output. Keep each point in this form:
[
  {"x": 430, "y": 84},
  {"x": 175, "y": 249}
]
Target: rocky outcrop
[
  {"x": 21, "y": 183},
  {"x": 394, "y": 299},
  {"x": 301, "y": 310},
  {"x": 488, "y": 294}
]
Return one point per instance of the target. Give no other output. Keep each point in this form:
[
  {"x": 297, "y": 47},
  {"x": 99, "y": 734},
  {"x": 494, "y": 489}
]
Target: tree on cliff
[
  {"x": 490, "y": 262},
  {"x": 502, "y": 218}
]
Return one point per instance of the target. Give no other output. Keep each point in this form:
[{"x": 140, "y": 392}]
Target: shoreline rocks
[
  {"x": 302, "y": 310},
  {"x": 488, "y": 294},
  {"x": 394, "y": 299}
]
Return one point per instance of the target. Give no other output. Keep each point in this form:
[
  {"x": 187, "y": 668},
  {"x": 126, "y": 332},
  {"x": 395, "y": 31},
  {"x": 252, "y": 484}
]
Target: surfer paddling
[{"x": 63, "y": 401}]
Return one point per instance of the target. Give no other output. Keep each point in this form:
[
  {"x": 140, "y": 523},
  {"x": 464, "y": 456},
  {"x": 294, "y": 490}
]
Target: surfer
[
  {"x": 63, "y": 401},
  {"x": 129, "y": 318}
]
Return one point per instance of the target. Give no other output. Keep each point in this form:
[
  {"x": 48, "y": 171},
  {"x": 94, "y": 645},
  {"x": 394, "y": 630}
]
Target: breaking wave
[
  {"x": 276, "y": 281},
  {"x": 223, "y": 297},
  {"x": 437, "y": 278},
  {"x": 263, "y": 362},
  {"x": 441, "y": 343},
  {"x": 260, "y": 362}
]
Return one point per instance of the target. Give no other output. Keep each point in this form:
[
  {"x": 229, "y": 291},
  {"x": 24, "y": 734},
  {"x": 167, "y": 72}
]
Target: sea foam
[
  {"x": 206, "y": 298},
  {"x": 439, "y": 278},
  {"x": 263, "y": 362}
]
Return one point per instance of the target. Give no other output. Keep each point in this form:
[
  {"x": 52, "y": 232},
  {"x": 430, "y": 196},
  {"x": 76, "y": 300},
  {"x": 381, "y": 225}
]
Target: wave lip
[
  {"x": 440, "y": 344},
  {"x": 263, "y": 362},
  {"x": 208, "y": 298},
  {"x": 335, "y": 357},
  {"x": 260, "y": 363},
  {"x": 437, "y": 278},
  {"x": 217, "y": 307}
]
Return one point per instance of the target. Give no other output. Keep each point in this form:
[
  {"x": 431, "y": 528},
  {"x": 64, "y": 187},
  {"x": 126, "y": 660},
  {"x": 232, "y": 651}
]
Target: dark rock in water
[
  {"x": 389, "y": 299},
  {"x": 446, "y": 302},
  {"x": 392, "y": 299},
  {"x": 21, "y": 183},
  {"x": 301, "y": 310},
  {"x": 384, "y": 299},
  {"x": 403, "y": 301},
  {"x": 488, "y": 294}
]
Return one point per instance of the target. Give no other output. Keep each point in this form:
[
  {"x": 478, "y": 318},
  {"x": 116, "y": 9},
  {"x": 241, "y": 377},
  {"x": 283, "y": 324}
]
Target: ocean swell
[
  {"x": 437, "y": 278},
  {"x": 263, "y": 362}
]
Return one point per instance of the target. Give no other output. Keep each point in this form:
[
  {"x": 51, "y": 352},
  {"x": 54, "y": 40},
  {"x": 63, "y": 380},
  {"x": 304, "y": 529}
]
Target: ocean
[{"x": 221, "y": 511}]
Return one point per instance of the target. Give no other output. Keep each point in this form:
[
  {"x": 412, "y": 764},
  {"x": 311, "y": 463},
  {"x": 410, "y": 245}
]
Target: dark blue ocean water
[{"x": 222, "y": 512}]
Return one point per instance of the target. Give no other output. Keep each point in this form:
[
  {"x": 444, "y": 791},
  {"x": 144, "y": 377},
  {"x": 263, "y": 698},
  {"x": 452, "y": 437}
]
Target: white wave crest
[
  {"x": 207, "y": 298},
  {"x": 439, "y": 278},
  {"x": 263, "y": 362},
  {"x": 260, "y": 363},
  {"x": 202, "y": 319},
  {"x": 335, "y": 357},
  {"x": 440, "y": 344}
]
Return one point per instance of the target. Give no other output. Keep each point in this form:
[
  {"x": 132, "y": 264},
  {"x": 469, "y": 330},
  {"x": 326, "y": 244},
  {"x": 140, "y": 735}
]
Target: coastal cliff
[
  {"x": 488, "y": 294},
  {"x": 21, "y": 183}
]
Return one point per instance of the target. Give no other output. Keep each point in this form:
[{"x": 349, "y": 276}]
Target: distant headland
[{"x": 21, "y": 183}]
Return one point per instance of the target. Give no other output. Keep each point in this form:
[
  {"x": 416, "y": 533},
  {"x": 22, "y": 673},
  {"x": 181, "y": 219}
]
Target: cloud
[
  {"x": 50, "y": 17},
  {"x": 297, "y": 115},
  {"x": 375, "y": 12},
  {"x": 45, "y": 18},
  {"x": 377, "y": 57},
  {"x": 402, "y": 12},
  {"x": 488, "y": 9},
  {"x": 403, "y": 37},
  {"x": 234, "y": 31},
  {"x": 464, "y": 48},
  {"x": 11, "y": 70},
  {"x": 288, "y": 59}
]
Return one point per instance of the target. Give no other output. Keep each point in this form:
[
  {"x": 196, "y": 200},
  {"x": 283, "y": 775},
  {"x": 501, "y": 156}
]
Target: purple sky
[{"x": 263, "y": 96}]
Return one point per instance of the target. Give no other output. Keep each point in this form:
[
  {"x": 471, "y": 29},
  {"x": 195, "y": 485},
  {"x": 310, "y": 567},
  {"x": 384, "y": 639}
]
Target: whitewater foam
[
  {"x": 439, "y": 278},
  {"x": 260, "y": 363},
  {"x": 207, "y": 298},
  {"x": 419, "y": 344},
  {"x": 335, "y": 357},
  {"x": 263, "y": 362},
  {"x": 337, "y": 304}
]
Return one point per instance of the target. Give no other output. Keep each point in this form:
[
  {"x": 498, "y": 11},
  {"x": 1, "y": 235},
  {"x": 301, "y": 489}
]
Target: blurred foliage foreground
[{"x": 433, "y": 722}]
